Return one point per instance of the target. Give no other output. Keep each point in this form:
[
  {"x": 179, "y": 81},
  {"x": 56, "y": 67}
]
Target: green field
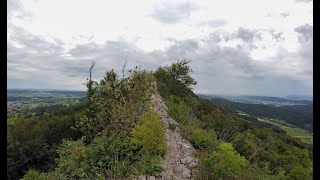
[
  {"x": 291, "y": 130},
  {"x": 22, "y": 102}
]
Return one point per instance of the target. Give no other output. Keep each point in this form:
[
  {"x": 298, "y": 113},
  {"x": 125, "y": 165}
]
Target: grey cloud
[
  {"x": 278, "y": 36},
  {"x": 217, "y": 68},
  {"x": 305, "y": 52},
  {"x": 182, "y": 49},
  {"x": 285, "y": 14},
  {"x": 12, "y": 6},
  {"x": 234, "y": 71},
  {"x": 305, "y": 32},
  {"x": 15, "y": 9},
  {"x": 247, "y": 35},
  {"x": 40, "y": 60},
  {"x": 171, "y": 13},
  {"x": 215, "y": 23}
]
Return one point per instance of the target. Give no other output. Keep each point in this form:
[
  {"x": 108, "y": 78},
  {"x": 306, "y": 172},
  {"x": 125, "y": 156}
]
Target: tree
[
  {"x": 90, "y": 90},
  {"x": 300, "y": 173},
  {"x": 175, "y": 79},
  {"x": 149, "y": 134},
  {"x": 71, "y": 154},
  {"x": 225, "y": 162}
]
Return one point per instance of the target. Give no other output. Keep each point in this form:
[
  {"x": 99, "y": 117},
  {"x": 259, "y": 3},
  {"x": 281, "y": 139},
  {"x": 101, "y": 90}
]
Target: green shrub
[
  {"x": 300, "y": 173},
  {"x": 34, "y": 175},
  {"x": 149, "y": 134},
  {"x": 203, "y": 139},
  {"x": 179, "y": 111},
  {"x": 71, "y": 154},
  {"x": 225, "y": 162},
  {"x": 151, "y": 165},
  {"x": 106, "y": 157}
]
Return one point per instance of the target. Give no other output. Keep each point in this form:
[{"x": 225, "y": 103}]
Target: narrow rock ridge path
[{"x": 178, "y": 159}]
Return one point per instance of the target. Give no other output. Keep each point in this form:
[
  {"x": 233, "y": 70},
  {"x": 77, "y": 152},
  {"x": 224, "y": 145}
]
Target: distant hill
[
  {"x": 299, "y": 115},
  {"x": 299, "y": 97},
  {"x": 267, "y": 100},
  {"x": 43, "y": 93}
]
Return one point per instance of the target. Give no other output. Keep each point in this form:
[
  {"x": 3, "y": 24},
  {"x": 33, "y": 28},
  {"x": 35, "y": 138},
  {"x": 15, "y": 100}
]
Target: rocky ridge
[{"x": 178, "y": 160}]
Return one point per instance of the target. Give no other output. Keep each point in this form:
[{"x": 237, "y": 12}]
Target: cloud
[
  {"x": 215, "y": 23},
  {"x": 285, "y": 14},
  {"x": 244, "y": 56},
  {"x": 305, "y": 32},
  {"x": 172, "y": 13},
  {"x": 233, "y": 70},
  {"x": 247, "y": 35},
  {"x": 15, "y": 10},
  {"x": 41, "y": 62},
  {"x": 278, "y": 36},
  {"x": 46, "y": 63}
]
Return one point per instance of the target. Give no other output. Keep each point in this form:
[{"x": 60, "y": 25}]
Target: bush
[
  {"x": 151, "y": 165},
  {"x": 106, "y": 157},
  {"x": 34, "y": 175},
  {"x": 71, "y": 154},
  {"x": 203, "y": 139},
  {"x": 179, "y": 110},
  {"x": 300, "y": 173},
  {"x": 149, "y": 134},
  {"x": 225, "y": 162}
]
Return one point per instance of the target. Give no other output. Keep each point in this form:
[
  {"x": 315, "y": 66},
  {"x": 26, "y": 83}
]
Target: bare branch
[{"x": 92, "y": 65}]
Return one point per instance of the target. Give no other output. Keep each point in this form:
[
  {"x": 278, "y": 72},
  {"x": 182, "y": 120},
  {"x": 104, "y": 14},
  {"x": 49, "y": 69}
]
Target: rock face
[{"x": 178, "y": 159}]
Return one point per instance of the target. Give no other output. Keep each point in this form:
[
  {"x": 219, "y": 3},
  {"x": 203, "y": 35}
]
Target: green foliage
[
  {"x": 180, "y": 71},
  {"x": 149, "y": 133},
  {"x": 32, "y": 143},
  {"x": 110, "y": 158},
  {"x": 203, "y": 139},
  {"x": 261, "y": 147},
  {"x": 300, "y": 173},
  {"x": 174, "y": 79},
  {"x": 150, "y": 165},
  {"x": 117, "y": 103},
  {"x": 71, "y": 154},
  {"x": 225, "y": 162},
  {"x": 299, "y": 115},
  {"x": 34, "y": 175},
  {"x": 254, "y": 173},
  {"x": 123, "y": 138},
  {"x": 179, "y": 110}
]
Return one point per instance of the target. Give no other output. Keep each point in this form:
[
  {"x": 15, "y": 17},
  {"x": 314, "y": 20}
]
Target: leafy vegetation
[
  {"x": 298, "y": 115},
  {"x": 226, "y": 142},
  {"x": 223, "y": 163},
  {"x": 115, "y": 134},
  {"x": 32, "y": 142},
  {"x": 148, "y": 134}
]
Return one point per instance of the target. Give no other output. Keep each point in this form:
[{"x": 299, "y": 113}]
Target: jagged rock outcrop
[{"x": 178, "y": 160}]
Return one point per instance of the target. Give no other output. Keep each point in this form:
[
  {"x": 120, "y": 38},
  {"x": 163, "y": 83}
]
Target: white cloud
[{"x": 234, "y": 46}]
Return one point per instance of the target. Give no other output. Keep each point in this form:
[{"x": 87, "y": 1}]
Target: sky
[{"x": 247, "y": 47}]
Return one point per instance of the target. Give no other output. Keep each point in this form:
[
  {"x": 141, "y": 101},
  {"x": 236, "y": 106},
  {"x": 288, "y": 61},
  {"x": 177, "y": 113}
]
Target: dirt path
[{"x": 178, "y": 159}]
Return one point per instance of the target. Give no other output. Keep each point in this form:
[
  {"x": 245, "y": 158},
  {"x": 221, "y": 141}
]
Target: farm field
[
  {"x": 33, "y": 102},
  {"x": 291, "y": 130}
]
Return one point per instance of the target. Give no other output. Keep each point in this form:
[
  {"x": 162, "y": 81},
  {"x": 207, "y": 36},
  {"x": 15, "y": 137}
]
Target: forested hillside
[
  {"x": 116, "y": 134},
  {"x": 299, "y": 115}
]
